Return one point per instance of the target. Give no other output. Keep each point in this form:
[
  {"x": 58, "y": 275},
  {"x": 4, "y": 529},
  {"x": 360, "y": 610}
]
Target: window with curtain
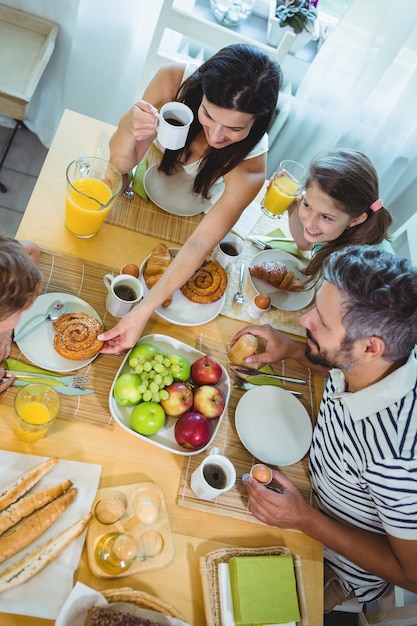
[{"x": 360, "y": 92}]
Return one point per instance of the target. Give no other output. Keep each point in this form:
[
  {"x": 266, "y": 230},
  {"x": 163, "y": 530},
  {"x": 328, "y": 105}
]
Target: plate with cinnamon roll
[
  {"x": 278, "y": 274},
  {"x": 67, "y": 344},
  {"x": 199, "y": 301}
]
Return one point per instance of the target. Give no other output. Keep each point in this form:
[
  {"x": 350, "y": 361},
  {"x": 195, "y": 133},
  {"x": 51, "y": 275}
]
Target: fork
[
  {"x": 261, "y": 244},
  {"x": 78, "y": 380}
]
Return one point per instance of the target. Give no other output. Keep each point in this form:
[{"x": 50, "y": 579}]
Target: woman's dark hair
[
  {"x": 239, "y": 77},
  {"x": 351, "y": 180}
]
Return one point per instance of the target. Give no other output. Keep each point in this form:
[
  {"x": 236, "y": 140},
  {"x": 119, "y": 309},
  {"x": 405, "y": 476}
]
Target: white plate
[
  {"x": 174, "y": 194},
  {"x": 182, "y": 311},
  {"x": 279, "y": 434},
  {"x": 38, "y": 346},
  {"x": 30, "y": 598},
  {"x": 165, "y": 438},
  {"x": 286, "y": 300}
]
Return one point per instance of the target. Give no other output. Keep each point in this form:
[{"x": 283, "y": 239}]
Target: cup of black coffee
[
  {"x": 124, "y": 291},
  {"x": 229, "y": 251},
  {"x": 215, "y": 475},
  {"x": 174, "y": 121}
]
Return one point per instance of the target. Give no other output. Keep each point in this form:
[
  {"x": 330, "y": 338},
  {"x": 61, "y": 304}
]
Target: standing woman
[{"x": 233, "y": 96}]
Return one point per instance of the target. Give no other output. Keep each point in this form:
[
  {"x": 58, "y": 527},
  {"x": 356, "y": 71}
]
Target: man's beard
[{"x": 342, "y": 358}]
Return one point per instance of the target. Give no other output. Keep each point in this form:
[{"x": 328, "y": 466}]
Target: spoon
[
  {"x": 239, "y": 297},
  {"x": 55, "y": 310}
]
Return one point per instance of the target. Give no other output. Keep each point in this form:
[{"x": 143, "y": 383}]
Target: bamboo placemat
[
  {"x": 234, "y": 503},
  {"x": 145, "y": 217},
  {"x": 85, "y": 280}
]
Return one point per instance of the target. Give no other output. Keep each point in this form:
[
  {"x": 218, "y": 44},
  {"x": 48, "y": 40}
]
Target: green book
[{"x": 263, "y": 590}]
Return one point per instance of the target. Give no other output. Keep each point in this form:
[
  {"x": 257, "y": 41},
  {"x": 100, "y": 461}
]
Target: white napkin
[
  {"x": 29, "y": 598},
  {"x": 226, "y": 602},
  {"x": 247, "y": 220}
]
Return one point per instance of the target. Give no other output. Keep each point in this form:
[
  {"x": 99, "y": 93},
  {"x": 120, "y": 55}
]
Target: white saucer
[{"x": 38, "y": 346}]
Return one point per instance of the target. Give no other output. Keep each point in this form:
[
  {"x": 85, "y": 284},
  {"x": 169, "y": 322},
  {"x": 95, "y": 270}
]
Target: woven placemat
[
  {"x": 85, "y": 280},
  {"x": 145, "y": 217},
  {"x": 235, "y": 502}
]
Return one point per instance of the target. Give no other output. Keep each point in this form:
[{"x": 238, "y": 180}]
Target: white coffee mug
[
  {"x": 229, "y": 251},
  {"x": 124, "y": 291},
  {"x": 174, "y": 121},
  {"x": 215, "y": 475}
]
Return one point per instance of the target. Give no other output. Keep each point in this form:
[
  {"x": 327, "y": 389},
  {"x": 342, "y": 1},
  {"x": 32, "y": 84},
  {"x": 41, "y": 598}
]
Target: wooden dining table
[{"x": 125, "y": 459}]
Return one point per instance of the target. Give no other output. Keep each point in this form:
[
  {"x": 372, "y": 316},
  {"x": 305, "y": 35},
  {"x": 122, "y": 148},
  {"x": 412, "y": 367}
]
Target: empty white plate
[{"x": 273, "y": 425}]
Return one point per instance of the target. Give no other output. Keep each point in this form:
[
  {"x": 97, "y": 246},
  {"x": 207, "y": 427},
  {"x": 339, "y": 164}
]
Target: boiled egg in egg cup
[{"x": 261, "y": 473}]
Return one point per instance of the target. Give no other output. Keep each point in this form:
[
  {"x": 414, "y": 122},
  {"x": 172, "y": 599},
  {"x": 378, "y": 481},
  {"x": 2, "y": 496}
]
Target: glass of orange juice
[
  {"x": 92, "y": 186},
  {"x": 36, "y": 406},
  {"x": 286, "y": 185}
]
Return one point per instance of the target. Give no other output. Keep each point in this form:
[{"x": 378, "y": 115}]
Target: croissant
[
  {"x": 276, "y": 274},
  {"x": 156, "y": 265}
]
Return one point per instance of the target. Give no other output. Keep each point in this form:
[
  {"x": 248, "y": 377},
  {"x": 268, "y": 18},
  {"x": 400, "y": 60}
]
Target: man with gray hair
[{"x": 363, "y": 458}]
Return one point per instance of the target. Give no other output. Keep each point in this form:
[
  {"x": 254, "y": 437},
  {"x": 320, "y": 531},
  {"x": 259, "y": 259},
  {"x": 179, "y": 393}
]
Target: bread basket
[{"x": 142, "y": 600}]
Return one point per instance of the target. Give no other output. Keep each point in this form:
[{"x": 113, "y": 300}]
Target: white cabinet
[{"x": 186, "y": 29}]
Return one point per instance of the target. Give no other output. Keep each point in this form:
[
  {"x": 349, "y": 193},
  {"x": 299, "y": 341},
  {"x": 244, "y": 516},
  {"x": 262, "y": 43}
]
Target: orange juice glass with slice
[
  {"x": 92, "y": 187},
  {"x": 286, "y": 185},
  {"x": 36, "y": 408}
]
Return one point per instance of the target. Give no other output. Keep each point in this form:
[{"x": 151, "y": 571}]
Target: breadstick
[
  {"x": 21, "y": 485},
  {"x": 37, "y": 560},
  {"x": 32, "y": 527},
  {"x": 30, "y": 503}
]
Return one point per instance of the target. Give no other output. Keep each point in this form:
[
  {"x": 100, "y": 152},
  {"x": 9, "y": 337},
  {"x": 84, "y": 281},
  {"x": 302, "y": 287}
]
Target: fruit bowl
[{"x": 165, "y": 438}]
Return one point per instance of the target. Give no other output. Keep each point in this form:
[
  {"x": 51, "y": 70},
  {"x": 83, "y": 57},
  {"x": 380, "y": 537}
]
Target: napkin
[
  {"x": 226, "y": 602},
  {"x": 263, "y": 590},
  {"x": 247, "y": 220},
  {"x": 137, "y": 183},
  {"x": 19, "y": 366},
  {"x": 285, "y": 246}
]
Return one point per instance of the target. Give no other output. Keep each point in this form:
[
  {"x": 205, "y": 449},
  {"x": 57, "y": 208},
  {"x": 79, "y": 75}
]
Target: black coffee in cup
[
  {"x": 125, "y": 292},
  {"x": 174, "y": 121},
  {"x": 215, "y": 475},
  {"x": 229, "y": 248}
]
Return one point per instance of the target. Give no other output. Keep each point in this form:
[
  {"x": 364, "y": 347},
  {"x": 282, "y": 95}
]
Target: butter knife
[
  {"x": 249, "y": 372},
  {"x": 66, "y": 391},
  {"x": 268, "y": 238}
]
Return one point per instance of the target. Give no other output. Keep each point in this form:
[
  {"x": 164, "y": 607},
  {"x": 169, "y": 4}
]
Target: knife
[
  {"x": 267, "y": 239},
  {"x": 249, "y": 372},
  {"x": 66, "y": 391},
  {"x": 247, "y": 386}
]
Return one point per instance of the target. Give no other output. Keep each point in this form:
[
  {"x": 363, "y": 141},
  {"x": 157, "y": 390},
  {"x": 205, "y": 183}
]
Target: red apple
[
  {"x": 192, "y": 430},
  {"x": 206, "y": 371},
  {"x": 209, "y": 401},
  {"x": 180, "y": 399}
]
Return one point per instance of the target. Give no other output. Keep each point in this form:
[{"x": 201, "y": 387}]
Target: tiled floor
[{"x": 19, "y": 173}]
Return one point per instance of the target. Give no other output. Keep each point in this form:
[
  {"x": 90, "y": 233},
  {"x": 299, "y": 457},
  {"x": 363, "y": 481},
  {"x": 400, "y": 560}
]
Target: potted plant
[{"x": 296, "y": 15}]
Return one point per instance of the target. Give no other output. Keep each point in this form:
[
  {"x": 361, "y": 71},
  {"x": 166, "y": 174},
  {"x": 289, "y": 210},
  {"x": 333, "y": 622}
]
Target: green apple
[
  {"x": 147, "y": 418},
  {"x": 126, "y": 389},
  {"x": 140, "y": 352},
  {"x": 180, "y": 368}
]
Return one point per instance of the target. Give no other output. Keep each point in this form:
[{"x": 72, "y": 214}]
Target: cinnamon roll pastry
[
  {"x": 76, "y": 336},
  {"x": 276, "y": 274},
  {"x": 207, "y": 285}
]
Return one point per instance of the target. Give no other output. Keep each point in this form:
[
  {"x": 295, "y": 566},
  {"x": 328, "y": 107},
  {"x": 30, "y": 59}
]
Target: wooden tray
[{"x": 130, "y": 522}]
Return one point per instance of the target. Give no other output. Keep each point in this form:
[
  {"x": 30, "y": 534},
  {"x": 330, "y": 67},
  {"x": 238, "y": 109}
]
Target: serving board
[{"x": 130, "y": 523}]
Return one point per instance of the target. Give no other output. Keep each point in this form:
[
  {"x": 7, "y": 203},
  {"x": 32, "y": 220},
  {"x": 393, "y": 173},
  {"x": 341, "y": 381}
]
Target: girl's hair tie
[{"x": 378, "y": 204}]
